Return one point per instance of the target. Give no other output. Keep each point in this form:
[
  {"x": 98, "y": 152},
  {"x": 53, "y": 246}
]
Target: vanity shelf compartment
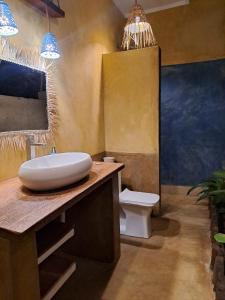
[
  {"x": 51, "y": 238},
  {"x": 53, "y": 273}
]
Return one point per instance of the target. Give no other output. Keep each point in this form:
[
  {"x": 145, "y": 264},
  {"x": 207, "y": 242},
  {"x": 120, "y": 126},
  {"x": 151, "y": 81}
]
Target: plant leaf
[
  {"x": 220, "y": 238},
  {"x": 217, "y": 192},
  {"x": 203, "y": 192},
  {"x": 220, "y": 173},
  {"x": 200, "y": 185},
  {"x": 202, "y": 197}
]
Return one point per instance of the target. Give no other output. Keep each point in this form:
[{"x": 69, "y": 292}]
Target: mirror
[
  {"x": 27, "y": 97},
  {"x": 23, "y": 98}
]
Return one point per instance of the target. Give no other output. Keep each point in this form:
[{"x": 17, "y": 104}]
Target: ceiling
[{"x": 148, "y": 5}]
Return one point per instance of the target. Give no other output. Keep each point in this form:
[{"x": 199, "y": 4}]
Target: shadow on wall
[
  {"x": 192, "y": 121},
  {"x": 136, "y": 175},
  {"x": 140, "y": 173}
]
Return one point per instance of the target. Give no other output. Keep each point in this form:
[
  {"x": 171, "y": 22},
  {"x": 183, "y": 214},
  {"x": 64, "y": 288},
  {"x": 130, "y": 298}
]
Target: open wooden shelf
[
  {"x": 51, "y": 238},
  {"x": 53, "y": 10},
  {"x": 55, "y": 268},
  {"x": 53, "y": 273}
]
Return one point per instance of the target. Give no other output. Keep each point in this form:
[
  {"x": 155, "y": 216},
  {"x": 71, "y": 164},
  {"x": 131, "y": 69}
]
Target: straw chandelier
[{"x": 138, "y": 32}]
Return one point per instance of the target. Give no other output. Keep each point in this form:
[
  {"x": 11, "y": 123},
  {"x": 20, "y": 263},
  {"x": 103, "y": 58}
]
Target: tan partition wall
[{"x": 131, "y": 111}]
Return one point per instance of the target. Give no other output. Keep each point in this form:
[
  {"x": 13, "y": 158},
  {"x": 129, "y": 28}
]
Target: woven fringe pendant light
[{"x": 138, "y": 31}]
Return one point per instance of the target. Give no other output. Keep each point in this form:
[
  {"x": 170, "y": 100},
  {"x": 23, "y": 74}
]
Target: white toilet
[
  {"x": 135, "y": 215},
  {"x": 135, "y": 210}
]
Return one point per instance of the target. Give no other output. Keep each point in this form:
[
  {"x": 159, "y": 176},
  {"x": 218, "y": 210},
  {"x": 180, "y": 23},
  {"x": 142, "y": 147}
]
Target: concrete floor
[{"x": 172, "y": 265}]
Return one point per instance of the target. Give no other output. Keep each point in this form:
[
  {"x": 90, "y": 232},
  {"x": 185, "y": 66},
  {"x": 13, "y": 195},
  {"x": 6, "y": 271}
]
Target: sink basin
[{"x": 55, "y": 171}]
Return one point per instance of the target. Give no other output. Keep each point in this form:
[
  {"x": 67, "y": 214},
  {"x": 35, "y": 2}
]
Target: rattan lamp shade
[{"x": 138, "y": 32}]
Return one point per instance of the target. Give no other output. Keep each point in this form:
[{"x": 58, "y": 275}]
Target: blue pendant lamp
[
  {"x": 49, "y": 46},
  {"x": 7, "y": 24}
]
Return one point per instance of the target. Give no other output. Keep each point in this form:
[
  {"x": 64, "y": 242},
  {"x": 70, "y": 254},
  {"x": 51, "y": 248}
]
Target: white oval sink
[{"x": 55, "y": 171}]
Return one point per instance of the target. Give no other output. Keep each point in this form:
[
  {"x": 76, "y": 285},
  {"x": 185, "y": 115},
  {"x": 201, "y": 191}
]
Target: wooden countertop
[{"x": 22, "y": 210}]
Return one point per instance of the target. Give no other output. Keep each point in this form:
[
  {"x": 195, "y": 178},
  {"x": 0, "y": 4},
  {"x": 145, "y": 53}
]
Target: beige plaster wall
[
  {"x": 194, "y": 32},
  {"x": 90, "y": 29}
]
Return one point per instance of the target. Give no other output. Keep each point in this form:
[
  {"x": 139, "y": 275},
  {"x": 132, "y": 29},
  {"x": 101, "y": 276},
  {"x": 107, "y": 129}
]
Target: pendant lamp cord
[
  {"x": 136, "y": 2},
  {"x": 48, "y": 19}
]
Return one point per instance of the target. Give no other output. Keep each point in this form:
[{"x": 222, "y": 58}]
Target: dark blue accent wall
[{"x": 192, "y": 121}]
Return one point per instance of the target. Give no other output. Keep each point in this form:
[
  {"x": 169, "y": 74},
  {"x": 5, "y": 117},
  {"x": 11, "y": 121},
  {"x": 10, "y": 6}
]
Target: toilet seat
[{"x": 138, "y": 198}]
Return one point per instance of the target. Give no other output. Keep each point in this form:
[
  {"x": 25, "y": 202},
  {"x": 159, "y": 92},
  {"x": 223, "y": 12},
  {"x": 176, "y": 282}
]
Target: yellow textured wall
[
  {"x": 131, "y": 109},
  {"x": 94, "y": 28},
  {"x": 90, "y": 29},
  {"x": 131, "y": 97},
  {"x": 194, "y": 32}
]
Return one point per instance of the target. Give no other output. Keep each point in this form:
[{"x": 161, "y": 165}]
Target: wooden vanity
[{"x": 41, "y": 233}]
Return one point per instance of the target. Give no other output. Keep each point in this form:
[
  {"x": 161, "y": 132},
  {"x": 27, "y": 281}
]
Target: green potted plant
[{"x": 212, "y": 189}]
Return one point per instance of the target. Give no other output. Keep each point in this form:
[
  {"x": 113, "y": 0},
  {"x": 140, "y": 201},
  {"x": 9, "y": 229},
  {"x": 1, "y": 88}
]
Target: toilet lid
[{"x": 138, "y": 198}]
